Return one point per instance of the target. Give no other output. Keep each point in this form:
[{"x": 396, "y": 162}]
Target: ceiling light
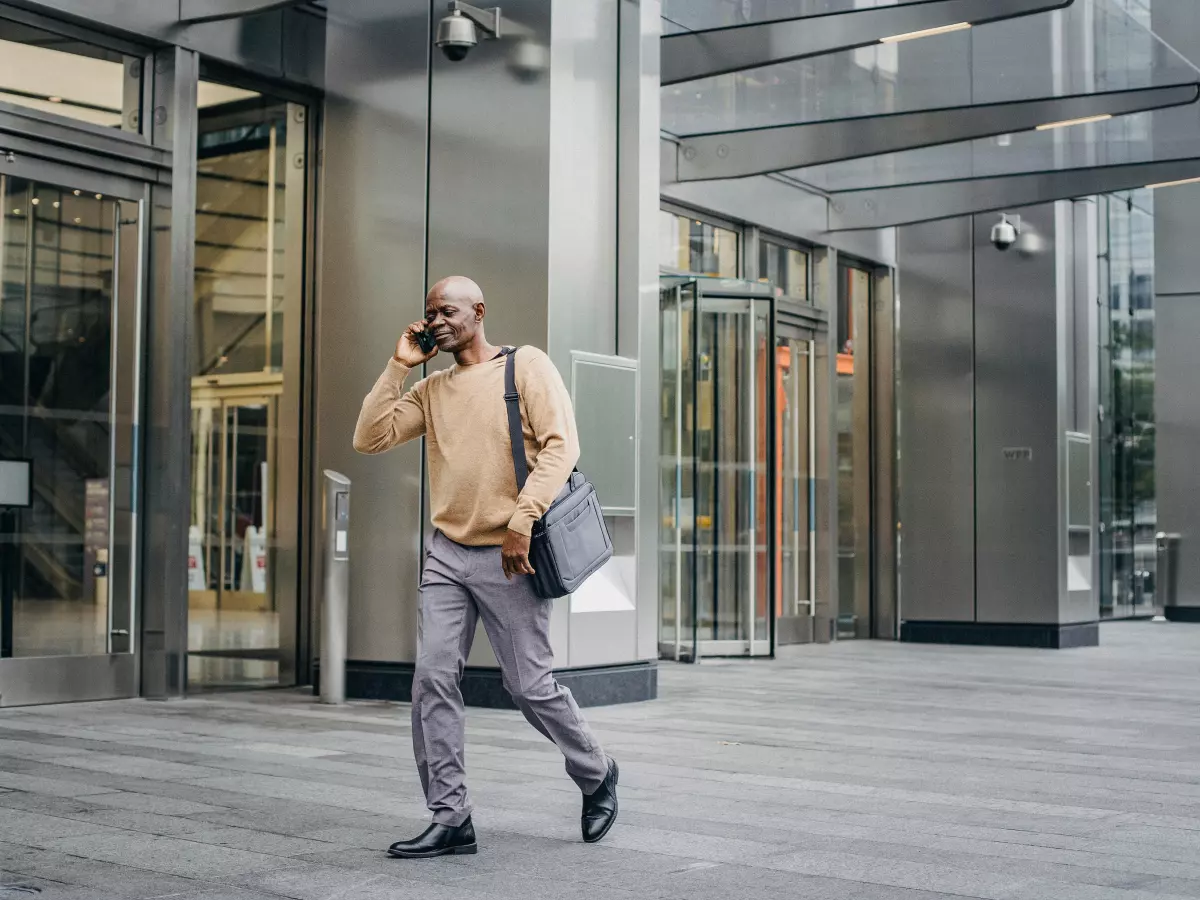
[
  {"x": 1067, "y": 123},
  {"x": 925, "y": 32},
  {"x": 55, "y": 99},
  {"x": 76, "y": 193},
  {"x": 99, "y": 196},
  {"x": 16, "y": 212},
  {"x": 1163, "y": 184},
  {"x": 56, "y": 204},
  {"x": 35, "y": 201},
  {"x": 78, "y": 220}
]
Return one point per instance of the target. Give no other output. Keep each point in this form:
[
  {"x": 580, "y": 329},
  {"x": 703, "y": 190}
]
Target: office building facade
[{"x": 757, "y": 239}]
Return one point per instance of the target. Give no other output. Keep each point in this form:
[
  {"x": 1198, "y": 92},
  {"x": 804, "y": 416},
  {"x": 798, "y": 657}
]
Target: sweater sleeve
[
  {"x": 390, "y": 416},
  {"x": 548, "y": 412}
]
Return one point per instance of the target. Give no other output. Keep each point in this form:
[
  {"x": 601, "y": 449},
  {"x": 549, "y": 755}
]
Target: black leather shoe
[
  {"x": 600, "y": 808},
  {"x": 437, "y": 840}
]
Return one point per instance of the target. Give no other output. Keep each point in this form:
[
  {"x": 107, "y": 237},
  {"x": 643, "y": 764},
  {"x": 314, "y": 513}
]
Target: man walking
[{"x": 477, "y": 563}]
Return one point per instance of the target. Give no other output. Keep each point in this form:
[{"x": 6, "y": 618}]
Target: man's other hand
[{"x": 514, "y": 555}]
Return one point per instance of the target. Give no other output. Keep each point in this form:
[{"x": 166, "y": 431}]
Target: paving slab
[{"x": 852, "y": 771}]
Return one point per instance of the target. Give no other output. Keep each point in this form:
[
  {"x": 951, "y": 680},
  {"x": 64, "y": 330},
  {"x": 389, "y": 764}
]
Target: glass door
[
  {"x": 233, "y": 618},
  {"x": 794, "y": 485},
  {"x": 718, "y": 447},
  {"x": 854, "y": 452},
  {"x": 70, "y": 258}
]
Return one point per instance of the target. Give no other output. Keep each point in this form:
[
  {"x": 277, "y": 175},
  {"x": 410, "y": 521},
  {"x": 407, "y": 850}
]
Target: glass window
[
  {"x": 785, "y": 268},
  {"x": 52, "y": 73},
  {"x": 1128, "y": 509},
  {"x": 246, "y": 314},
  {"x": 853, "y": 452},
  {"x": 690, "y": 245}
]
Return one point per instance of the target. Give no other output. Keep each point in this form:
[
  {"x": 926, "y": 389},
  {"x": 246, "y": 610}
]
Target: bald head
[
  {"x": 454, "y": 311},
  {"x": 457, "y": 288}
]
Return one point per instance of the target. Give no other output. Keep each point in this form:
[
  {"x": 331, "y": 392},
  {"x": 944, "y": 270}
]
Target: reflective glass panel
[
  {"x": 686, "y": 244},
  {"x": 239, "y": 384},
  {"x": 1092, "y": 46},
  {"x": 696, "y": 15},
  {"x": 732, "y": 535},
  {"x": 854, "y": 452},
  {"x": 676, "y": 486},
  {"x": 718, "y": 564},
  {"x": 64, "y": 76},
  {"x": 57, "y": 291},
  {"x": 793, "y": 477},
  {"x": 1128, "y": 509},
  {"x": 785, "y": 268}
]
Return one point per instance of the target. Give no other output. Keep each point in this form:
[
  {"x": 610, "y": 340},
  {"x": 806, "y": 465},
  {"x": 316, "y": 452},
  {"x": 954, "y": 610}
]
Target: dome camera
[
  {"x": 1004, "y": 233},
  {"x": 466, "y": 25},
  {"x": 456, "y": 35},
  {"x": 528, "y": 60},
  {"x": 1030, "y": 243}
]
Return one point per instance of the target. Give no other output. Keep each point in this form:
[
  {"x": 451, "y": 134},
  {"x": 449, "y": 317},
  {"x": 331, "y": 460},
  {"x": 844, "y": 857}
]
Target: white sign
[
  {"x": 16, "y": 483},
  {"x": 196, "y": 579},
  {"x": 254, "y": 561}
]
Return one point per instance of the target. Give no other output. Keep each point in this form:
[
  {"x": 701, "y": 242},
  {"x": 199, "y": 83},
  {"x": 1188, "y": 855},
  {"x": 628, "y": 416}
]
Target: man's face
[{"x": 452, "y": 321}]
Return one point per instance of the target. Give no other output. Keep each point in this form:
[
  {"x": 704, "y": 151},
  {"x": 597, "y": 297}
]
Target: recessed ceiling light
[
  {"x": 925, "y": 32},
  {"x": 1067, "y": 123},
  {"x": 1164, "y": 184}
]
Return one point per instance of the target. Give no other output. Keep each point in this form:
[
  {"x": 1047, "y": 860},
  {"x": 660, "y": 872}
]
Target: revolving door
[{"x": 736, "y": 470}]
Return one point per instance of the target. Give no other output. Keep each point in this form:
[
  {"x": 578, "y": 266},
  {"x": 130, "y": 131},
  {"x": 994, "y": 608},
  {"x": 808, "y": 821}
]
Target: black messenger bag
[{"x": 570, "y": 541}]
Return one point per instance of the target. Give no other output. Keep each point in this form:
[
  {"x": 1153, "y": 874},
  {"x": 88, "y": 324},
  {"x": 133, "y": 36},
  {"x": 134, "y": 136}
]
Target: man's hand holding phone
[{"x": 416, "y": 346}]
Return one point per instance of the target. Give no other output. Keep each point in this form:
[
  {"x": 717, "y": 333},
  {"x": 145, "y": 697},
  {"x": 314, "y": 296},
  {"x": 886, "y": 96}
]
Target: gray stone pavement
[{"x": 857, "y": 771}]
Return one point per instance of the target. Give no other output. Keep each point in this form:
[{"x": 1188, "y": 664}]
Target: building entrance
[
  {"x": 737, "y": 438},
  {"x": 71, "y": 262}
]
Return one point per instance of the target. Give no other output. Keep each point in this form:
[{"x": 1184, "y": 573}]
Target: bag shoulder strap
[{"x": 516, "y": 435}]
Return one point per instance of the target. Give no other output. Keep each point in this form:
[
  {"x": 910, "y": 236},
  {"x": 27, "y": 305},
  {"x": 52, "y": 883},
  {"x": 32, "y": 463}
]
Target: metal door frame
[
  {"x": 52, "y": 679},
  {"x": 810, "y": 325}
]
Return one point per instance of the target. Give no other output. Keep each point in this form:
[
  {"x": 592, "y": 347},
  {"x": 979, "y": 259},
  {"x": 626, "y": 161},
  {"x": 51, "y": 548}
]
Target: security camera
[
  {"x": 461, "y": 30},
  {"x": 528, "y": 60},
  {"x": 1031, "y": 243},
  {"x": 1004, "y": 233},
  {"x": 456, "y": 35}
]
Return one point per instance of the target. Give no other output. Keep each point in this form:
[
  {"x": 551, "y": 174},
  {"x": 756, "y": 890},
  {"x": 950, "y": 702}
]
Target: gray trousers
[{"x": 459, "y": 586}]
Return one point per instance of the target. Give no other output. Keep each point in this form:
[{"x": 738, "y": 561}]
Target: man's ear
[{"x": 480, "y": 311}]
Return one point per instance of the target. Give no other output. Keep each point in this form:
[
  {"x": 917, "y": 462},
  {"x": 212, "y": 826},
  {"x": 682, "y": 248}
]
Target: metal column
[{"x": 337, "y": 588}]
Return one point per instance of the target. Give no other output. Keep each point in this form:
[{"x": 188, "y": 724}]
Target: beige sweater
[{"x": 461, "y": 412}]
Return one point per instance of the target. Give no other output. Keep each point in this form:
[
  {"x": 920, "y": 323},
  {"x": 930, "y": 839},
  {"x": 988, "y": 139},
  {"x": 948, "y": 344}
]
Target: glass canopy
[
  {"x": 697, "y": 15},
  {"x": 1092, "y": 46},
  {"x": 1169, "y": 134}
]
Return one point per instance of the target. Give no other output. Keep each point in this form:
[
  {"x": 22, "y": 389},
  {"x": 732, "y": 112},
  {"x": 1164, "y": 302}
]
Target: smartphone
[{"x": 426, "y": 341}]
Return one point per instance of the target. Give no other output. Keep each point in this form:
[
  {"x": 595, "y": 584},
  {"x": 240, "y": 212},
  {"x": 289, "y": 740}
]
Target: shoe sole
[
  {"x": 616, "y": 809},
  {"x": 465, "y": 850}
]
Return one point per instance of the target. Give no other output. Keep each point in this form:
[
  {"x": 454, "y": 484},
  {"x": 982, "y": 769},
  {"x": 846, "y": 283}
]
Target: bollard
[
  {"x": 337, "y": 588},
  {"x": 1166, "y": 581}
]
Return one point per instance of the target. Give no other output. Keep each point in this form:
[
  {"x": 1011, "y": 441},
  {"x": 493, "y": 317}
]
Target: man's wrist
[{"x": 521, "y": 523}]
